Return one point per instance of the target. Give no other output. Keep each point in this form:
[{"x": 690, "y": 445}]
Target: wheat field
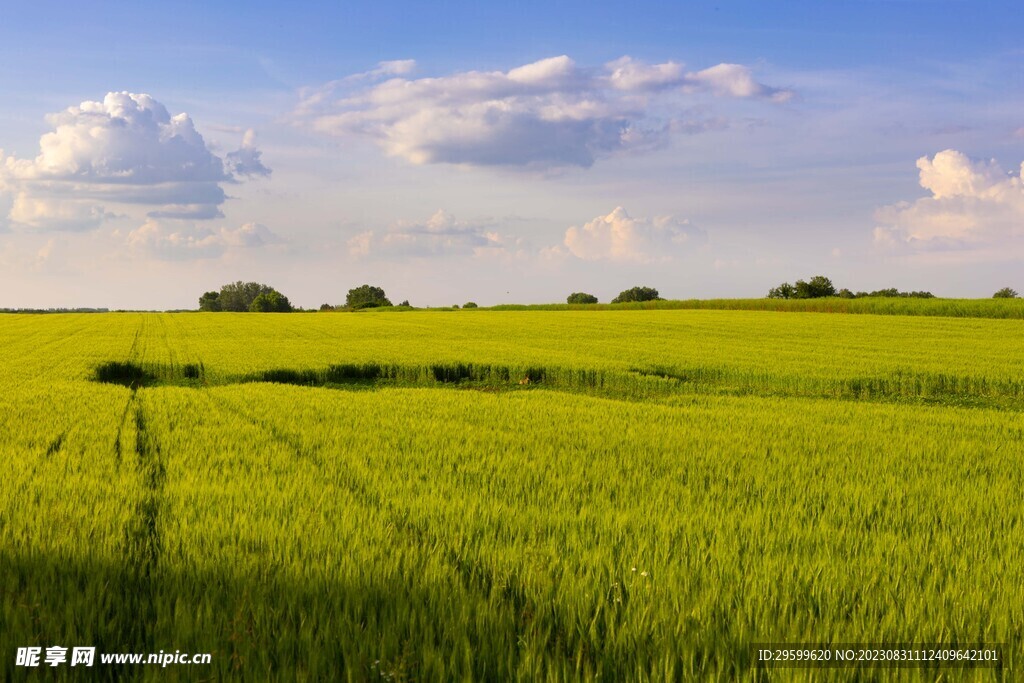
[{"x": 501, "y": 495}]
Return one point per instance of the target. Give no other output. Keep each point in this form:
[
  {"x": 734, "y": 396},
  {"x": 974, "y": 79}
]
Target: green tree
[
  {"x": 366, "y": 296},
  {"x": 818, "y": 286},
  {"x": 470, "y": 304},
  {"x": 271, "y": 302},
  {"x": 238, "y": 296},
  {"x": 209, "y": 301},
  {"x": 581, "y": 298},
  {"x": 1006, "y": 293},
  {"x": 892, "y": 293},
  {"x": 783, "y": 291},
  {"x": 637, "y": 294}
]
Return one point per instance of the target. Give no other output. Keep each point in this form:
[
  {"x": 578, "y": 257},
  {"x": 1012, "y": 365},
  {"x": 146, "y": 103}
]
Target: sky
[{"x": 502, "y": 152}]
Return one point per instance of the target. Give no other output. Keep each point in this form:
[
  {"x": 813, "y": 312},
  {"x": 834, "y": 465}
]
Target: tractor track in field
[
  {"x": 142, "y": 544},
  {"x": 475, "y": 577},
  {"x": 134, "y": 613},
  {"x": 118, "y": 438},
  {"x": 130, "y": 403}
]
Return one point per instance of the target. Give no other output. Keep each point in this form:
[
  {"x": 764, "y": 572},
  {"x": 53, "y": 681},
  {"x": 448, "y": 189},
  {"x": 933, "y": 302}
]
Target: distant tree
[
  {"x": 270, "y": 302},
  {"x": 470, "y": 304},
  {"x": 209, "y": 301},
  {"x": 238, "y": 296},
  {"x": 637, "y": 294},
  {"x": 405, "y": 303},
  {"x": 581, "y": 298},
  {"x": 892, "y": 293},
  {"x": 326, "y": 307},
  {"x": 844, "y": 293},
  {"x": 818, "y": 286},
  {"x": 783, "y": 291},
  {"x": 366, "y": 296},
  {"x": 1006, "y": 293}
]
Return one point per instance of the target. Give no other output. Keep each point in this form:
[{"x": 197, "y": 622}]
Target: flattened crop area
[{"x": 635, "y": 495}]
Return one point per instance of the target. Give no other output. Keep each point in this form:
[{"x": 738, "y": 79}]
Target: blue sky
[{"x": 507, "y": 151}]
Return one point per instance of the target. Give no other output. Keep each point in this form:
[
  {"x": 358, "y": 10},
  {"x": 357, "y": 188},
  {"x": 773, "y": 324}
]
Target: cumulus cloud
[
  {"x": 973, "y": 204},
  {"x": 183, "y": 242},
  {"x": 440, "y": 235},
  {"x": 549, "y": 113},
  {"x": 619, "y": 237},
  {"x": 246, "y": 160},
  {"x": 127, "y": 149},
  {"x": 50, "y": 214}
]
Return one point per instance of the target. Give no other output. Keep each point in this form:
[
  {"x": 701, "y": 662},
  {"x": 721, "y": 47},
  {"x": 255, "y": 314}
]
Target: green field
[{"x": 493, "y": 495}]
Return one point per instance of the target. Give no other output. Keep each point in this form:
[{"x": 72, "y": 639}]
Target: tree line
[
  {"x": 820, "y": 286},
  {"x": 255, "y": 297}
]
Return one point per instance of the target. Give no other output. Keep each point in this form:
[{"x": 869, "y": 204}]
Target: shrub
[
  {"x": 892, "y": 293},
  {"x": 637, "y": 294},
  {"x": 581, "y": 298}
]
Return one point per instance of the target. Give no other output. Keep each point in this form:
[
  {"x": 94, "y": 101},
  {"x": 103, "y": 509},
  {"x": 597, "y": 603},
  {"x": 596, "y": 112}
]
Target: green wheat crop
[{"x": 529, "y": 495}]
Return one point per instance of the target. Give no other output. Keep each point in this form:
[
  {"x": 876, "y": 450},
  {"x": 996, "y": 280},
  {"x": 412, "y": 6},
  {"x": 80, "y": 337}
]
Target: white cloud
[
  {"x": 973, "y": 204},
  {"x": 45, "y": 252},
  {"x": 25, "y": 253},
  {"x": 736, "y": 80},
  {"x": 127, "y": 149},
  {"x": 627, "y": 73},
  {"x": 49, "y": 214},
  {"x": 181, "y": 242},
  {"x": 246, "y": 161},
  {"x": 618, "y": 237},
  {"x": 732, "y": 80},
  {"x": 546, "y": 114},
  {"x": 440, "y": 235},
  {"x": 394, "y": 67}
]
